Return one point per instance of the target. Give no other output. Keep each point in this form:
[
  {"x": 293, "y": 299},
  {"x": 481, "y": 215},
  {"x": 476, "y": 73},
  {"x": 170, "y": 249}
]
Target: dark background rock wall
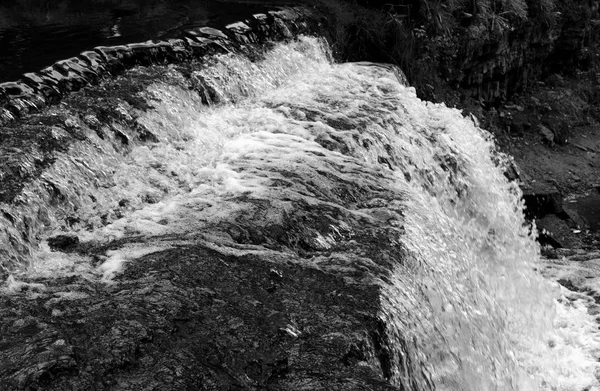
[{"x": 489, "y": 57}]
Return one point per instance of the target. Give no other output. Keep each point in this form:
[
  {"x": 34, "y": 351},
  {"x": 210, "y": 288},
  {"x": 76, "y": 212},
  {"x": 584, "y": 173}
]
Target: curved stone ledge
[{"x": 36, "y": 90}]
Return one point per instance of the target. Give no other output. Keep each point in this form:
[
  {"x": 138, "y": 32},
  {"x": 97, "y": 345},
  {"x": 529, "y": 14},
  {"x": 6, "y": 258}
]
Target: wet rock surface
[{"x": 194, "y": 318}]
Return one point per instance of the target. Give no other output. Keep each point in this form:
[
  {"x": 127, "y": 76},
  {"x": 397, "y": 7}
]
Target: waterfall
[{"x": 194, "y": 151}]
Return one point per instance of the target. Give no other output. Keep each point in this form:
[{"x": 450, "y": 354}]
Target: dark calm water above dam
[{"x": 37, "y": 33}]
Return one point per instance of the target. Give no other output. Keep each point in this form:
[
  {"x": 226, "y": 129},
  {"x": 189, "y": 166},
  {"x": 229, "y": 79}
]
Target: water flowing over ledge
[{"x": 272, "y": 222}]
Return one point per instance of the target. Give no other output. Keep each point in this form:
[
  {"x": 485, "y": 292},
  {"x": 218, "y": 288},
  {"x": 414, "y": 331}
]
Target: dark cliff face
[
  {"x": 494, "y": 68},
  {"x": 478, "y": 49}
]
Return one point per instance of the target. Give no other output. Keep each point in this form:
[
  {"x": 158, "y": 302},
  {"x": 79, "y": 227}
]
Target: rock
[
  {"x": 555, "y": 80},
  {"x": 542, "y": 200},
  {"x": 511, "y": 170},
  {"x": 547, "y": 134},
  {"x": 65, "y": 243},
  {"x": 72, "y": 123},
  {"x": 47, "y": 86},
  {"x": 242, "y": 33},
  {"x": 576, "y": 220},
  {"x": 92, "y": 121},
  {"x": 515, "y": 107},
  {"x": 120, "y": 134},
  {"x": 556, "y": 232},
  {"x": 95, "y": 62},
  {"x": 580, "y": 147},
  {"x": 519, "y": 123},
  {"x": 151, "y": 197}
]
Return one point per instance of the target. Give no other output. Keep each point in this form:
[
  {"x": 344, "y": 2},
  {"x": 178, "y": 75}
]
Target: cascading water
[{"x": 464, "y": 308}]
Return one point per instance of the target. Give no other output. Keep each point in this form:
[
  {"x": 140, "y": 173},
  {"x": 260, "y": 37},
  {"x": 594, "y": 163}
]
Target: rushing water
[{"x": 466, "y": 308}]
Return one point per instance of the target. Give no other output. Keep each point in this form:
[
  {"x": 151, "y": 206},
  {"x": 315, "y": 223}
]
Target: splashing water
[{"x": 465, "y": 309}]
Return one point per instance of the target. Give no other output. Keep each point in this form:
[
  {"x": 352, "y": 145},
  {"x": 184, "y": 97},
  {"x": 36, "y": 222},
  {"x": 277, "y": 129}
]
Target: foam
[{"x": 117, "y": 258}]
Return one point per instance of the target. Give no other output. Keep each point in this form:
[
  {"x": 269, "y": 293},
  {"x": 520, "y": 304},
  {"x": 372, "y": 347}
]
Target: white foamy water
[{"x": 466, "y": 309}]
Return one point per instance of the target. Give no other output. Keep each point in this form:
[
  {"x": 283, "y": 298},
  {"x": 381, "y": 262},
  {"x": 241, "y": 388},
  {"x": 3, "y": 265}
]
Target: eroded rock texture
[{"x": 194, "y": 318}]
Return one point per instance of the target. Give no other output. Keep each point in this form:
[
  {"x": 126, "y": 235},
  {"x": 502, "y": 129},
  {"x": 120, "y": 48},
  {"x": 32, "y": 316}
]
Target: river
[{"x": 294, "y": 158}]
